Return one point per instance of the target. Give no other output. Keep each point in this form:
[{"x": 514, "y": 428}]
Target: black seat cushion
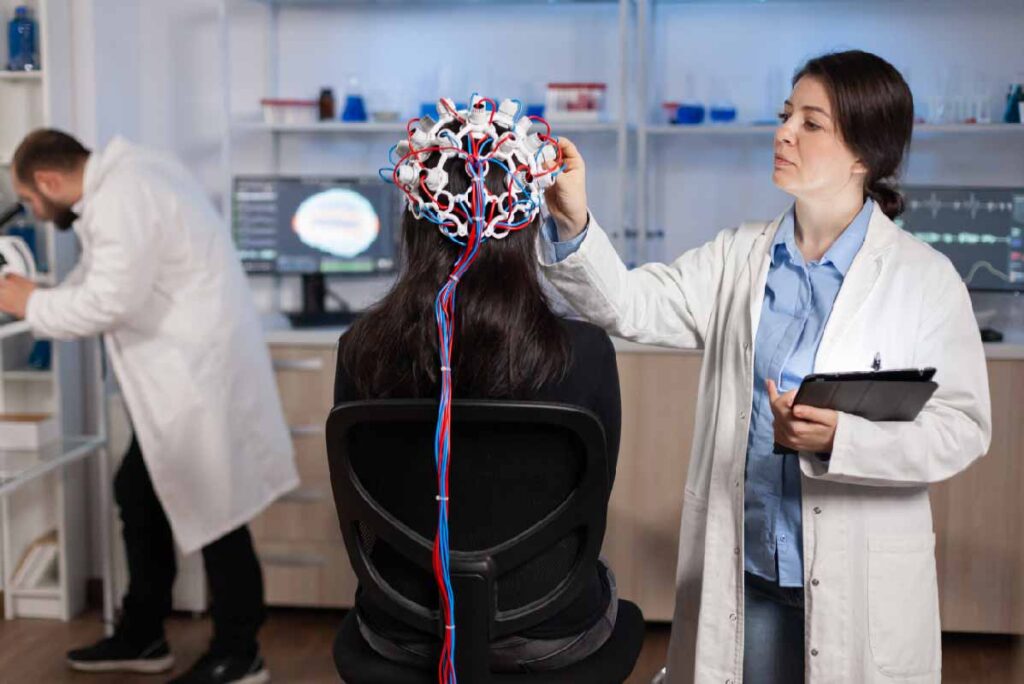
[{"x": 357, "y": 663}]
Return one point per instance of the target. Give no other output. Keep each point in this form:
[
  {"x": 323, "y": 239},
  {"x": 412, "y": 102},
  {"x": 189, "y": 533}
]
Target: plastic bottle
[{"x": 21, "y": 41}]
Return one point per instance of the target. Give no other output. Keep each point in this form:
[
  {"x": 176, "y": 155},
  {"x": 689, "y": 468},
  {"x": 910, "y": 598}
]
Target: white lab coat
[
  {"x": 159, "y": 278},
  {"x": 871, "y": 596}
]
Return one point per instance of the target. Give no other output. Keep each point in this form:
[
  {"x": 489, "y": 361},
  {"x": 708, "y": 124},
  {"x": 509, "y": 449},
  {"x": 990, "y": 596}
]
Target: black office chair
[{"x": 501, "y": 452}]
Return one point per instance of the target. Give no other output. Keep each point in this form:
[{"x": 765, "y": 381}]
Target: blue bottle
[
  {"x": 21, "y": 41},
  {"x": 690, "y": 114},
  {"x": 355, "y": 105},
  {"x": 1013, "y": 100},
  {"x": 41, "y": 356},
  {"x": 355, "y": 109}
]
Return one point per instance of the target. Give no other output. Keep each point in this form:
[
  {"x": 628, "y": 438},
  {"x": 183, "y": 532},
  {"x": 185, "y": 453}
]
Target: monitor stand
[{"x": 314, "y": 313}]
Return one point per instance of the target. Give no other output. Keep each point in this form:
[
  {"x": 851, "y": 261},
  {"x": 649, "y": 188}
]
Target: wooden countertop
[{"x": 278, "y": 332}]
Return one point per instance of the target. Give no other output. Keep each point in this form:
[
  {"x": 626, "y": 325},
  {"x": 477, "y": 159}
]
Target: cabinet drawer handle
[
  {"x": 310, "y": 363},
  {"x": 298, "y": 560},
  {"x": 304, "y": 496},
  {"x": 305, "y": 430}
]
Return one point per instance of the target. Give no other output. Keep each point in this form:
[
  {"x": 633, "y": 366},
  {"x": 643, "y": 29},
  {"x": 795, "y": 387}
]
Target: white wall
[
  {"x": 401, "y": 58},
  {"x": 164, "y": 87},
  {"x": 756, "y": 47},
  {"x": 152, "y": 71},
  {"x": 703, "y": 184}
]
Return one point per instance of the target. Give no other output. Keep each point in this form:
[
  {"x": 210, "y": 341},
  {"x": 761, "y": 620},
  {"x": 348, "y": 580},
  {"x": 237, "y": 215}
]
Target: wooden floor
[{"x": 296, "y": 644}]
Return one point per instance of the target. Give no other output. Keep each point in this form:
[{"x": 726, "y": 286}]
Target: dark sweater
[{"x": 592, "y": 382}]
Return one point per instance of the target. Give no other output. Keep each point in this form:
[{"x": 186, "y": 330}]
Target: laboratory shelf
[
  {"x": 710, "y": 129},
  {"x": 374, "y": 127},
  {"x": 757, "y": 2},
  {"x": 18, "y": 466},
  {"x": 584, "y": 127},
  {"x": 425, "y": 3},
  {"x": 919, "y": 129},
  {"x": 45, "y": 592},
  {"x": 969, "y": 129},
  {"x": 6, "y": 75},
  {"x": 12, "y": 328},
  {"x": 26, "y": 376},
  {"x": 323, "y": 127}
]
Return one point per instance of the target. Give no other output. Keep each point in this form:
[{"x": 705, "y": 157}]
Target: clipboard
[{"x": 891, "y": 395}]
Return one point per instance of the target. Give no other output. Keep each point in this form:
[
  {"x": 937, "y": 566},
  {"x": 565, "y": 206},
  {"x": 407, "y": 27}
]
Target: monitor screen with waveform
[{"x": 981, "y": 230}]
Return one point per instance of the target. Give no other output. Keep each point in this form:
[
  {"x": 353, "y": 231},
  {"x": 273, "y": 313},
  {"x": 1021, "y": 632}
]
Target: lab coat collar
[
  {"x": 858, "y": 284},
  {"x": 757, "y": 265},
  {"x": 867, "y": 264},
  {"x": 843, "y": 249},
  {"x": 96, "y": 168},
  {"x": 88, "y": 182}
]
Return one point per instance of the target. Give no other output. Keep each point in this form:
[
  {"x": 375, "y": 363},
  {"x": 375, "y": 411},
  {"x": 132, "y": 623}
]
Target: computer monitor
[
  {"x": 980, "y": 229},
  {"x": 315, "y": 225}
]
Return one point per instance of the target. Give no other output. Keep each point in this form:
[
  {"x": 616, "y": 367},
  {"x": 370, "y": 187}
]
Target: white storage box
[
  {"x": 283, "y": 111},
  {"x": 27, "y": 430},
  {"x": 575, "y": 102}
]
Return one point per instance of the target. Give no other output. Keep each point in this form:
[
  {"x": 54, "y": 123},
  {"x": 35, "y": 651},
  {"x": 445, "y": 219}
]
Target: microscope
[{"x": 15, "y": 255}]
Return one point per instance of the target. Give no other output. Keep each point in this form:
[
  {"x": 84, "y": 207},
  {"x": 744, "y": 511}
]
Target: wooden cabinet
[
  {"x": 659, "y": 395},
  {"x": 979, "y": 515},
  {"x": 297, "y": 538},
  {"x": 979, "y": 522}
]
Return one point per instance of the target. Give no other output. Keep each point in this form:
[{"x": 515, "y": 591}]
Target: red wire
[
  {"x": 479, "y": 203},
  {"x": 413, "y": 151},
  {"x": 546, "y": 124},
  {"x": 453, "y": 111},
  {"x": 501, "y": 141},
  {"x": 494, "y": 109}
]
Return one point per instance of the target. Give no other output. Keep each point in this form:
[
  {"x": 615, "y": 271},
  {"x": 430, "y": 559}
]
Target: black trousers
[{"x": 232, "y": 569}]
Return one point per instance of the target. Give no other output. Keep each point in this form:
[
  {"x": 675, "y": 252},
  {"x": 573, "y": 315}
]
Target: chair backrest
[{"x": 546, "y": 461}]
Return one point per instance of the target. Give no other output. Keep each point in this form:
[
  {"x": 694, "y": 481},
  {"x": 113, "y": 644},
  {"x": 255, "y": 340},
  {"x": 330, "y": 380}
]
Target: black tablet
[{"x": 891, "y": 395}]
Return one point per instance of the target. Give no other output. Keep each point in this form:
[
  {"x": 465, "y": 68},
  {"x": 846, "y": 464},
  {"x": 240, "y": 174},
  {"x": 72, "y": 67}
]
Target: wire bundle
[{"x": 469, "y": 220}]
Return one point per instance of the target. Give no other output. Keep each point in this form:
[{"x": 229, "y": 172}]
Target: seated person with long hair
[{"x": 508, "y": 345}]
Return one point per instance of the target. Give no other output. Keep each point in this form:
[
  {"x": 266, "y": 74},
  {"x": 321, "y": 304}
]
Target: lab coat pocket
[{"x": 903, "y": 604}]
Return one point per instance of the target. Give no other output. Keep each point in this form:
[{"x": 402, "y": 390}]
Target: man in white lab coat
[{"x": 159, "y": 279}]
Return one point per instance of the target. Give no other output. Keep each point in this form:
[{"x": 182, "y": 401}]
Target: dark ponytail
[
  {"x": 874, "y": 110},
  {"x": 887, "y": 196}
]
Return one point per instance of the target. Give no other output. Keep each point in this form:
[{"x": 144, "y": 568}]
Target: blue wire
[
  {"x": 442, "y": 445},
  {"x": 447, "y": 293}
]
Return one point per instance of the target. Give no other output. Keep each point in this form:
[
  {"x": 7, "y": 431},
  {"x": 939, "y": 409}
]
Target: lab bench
[{"x": 978, "y": 515}]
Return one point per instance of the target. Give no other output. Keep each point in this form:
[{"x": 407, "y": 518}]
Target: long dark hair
[
  {"x": 508, "y": 343},
  {"x": 874, "y": 111}
]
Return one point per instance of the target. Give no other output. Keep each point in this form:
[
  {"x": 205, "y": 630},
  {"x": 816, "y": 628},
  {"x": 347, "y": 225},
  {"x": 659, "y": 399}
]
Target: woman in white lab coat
[
  {"x": 159, "y": 279},
  {"x": 818, "y": 565}
]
